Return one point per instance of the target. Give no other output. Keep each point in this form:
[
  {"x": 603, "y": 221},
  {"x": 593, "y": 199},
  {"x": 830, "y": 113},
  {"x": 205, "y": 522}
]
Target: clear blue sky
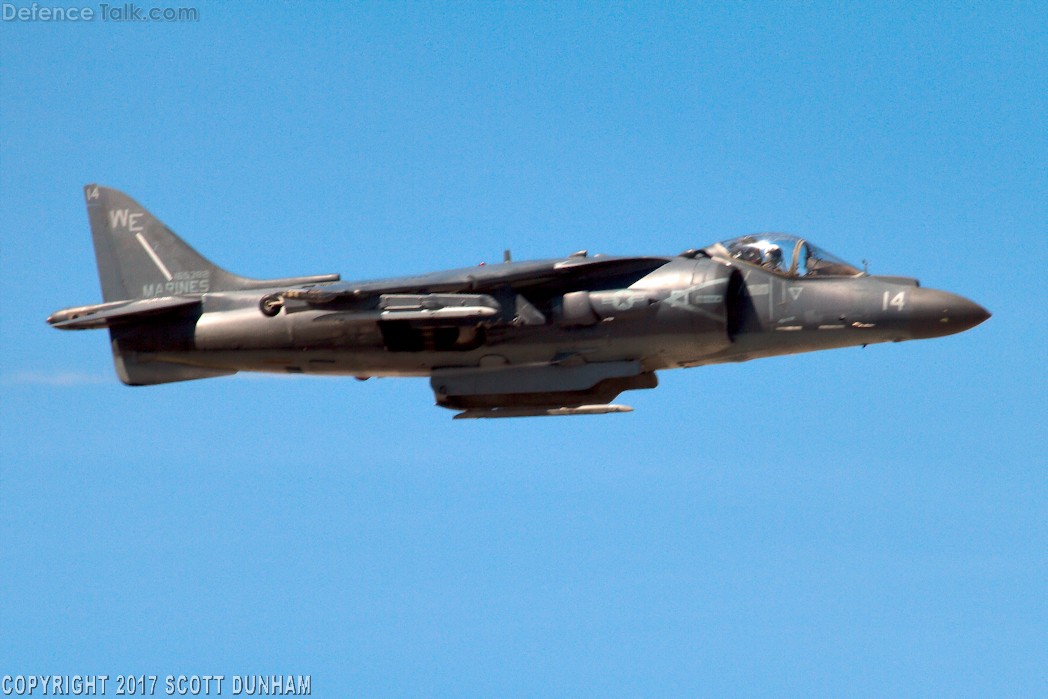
[{"x": 857, "y": 522}]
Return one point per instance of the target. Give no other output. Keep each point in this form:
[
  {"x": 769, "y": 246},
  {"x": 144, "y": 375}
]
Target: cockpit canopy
[{"x": 788, "y": 255}]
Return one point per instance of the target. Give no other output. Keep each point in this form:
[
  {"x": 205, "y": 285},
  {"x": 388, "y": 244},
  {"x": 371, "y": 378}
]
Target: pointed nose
[{"x": 936, "y": 313}]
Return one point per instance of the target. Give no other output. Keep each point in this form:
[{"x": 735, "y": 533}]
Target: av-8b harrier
[{"x": 552, "y": 337}]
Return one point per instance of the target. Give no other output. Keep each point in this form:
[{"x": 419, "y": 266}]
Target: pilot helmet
[
  {"x": 750, "y": 253},
  {"x": 773, "y": 256}
]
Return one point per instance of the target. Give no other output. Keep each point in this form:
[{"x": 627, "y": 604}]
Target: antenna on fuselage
[{"x": 506, "y": 256}]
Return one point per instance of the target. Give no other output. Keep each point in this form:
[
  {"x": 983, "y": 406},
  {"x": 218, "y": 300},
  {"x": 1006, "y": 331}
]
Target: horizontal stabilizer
[
  {"x": 105, "y": 315},
  {"x": 478, "y": 413}
]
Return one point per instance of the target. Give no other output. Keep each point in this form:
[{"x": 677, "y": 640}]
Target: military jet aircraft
[{"x": 553, "y": 337}]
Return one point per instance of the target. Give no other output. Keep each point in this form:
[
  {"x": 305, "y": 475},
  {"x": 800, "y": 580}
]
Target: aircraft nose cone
[{"x": 936, "y": 313}]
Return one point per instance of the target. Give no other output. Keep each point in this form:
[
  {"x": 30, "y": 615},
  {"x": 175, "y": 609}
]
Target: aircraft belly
[{"x": 249, "y": 346}]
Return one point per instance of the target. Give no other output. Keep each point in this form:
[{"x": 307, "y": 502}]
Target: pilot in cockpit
[
  {"x": 777, "y": 253},
  {"x": 773, "y": 258},
  {"x": 748, "y": 250}
]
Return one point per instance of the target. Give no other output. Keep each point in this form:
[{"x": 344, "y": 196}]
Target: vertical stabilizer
[{"x": 139, "y": 257}]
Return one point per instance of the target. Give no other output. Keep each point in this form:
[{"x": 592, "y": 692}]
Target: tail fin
[{"x": 140, "y": 257}]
